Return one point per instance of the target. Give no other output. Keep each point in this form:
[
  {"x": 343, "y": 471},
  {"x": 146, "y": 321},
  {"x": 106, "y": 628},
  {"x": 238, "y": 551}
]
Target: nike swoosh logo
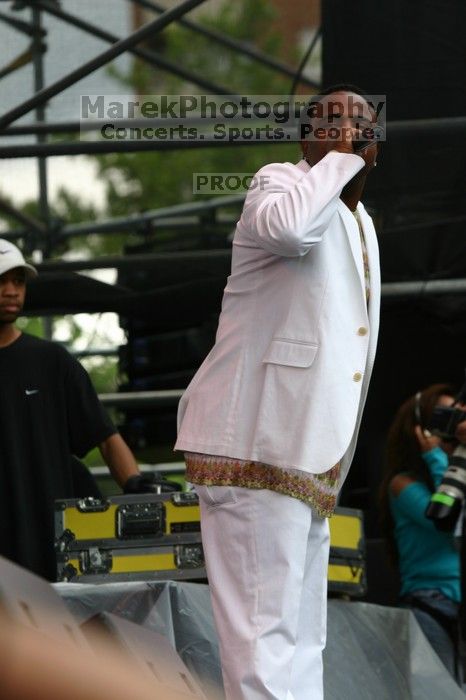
[
  {"x": 30, "y": 392},
  {"x": 3, "y": 252}
]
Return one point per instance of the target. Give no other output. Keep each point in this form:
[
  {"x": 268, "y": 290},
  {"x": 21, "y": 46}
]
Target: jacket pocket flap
[{"x": 291, "y": 353}]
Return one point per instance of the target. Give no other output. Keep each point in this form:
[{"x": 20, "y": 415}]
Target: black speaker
[{"x": 413, "y": 52}]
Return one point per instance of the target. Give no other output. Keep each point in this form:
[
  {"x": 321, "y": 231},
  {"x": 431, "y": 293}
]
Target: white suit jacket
[{"x": 287, "y": 378}]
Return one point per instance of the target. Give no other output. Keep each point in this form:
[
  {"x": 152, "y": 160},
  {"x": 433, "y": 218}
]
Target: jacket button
[
  {"x": 357, "y": 376},
  {"x": 362, "y": 331}
]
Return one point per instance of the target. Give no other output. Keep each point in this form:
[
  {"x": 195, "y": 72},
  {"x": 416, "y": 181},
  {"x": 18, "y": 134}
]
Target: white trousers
[{"x": 266, "y": 558}]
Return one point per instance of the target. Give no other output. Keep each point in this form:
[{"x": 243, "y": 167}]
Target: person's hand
[
  {"x": 460, "y": 433},
  {"x": 369, "y": 156},
  {"x": 140, "y": 483},
  {"x": 335, "y": 135},
  {"x": 347, "y": 142},
  {"x": 346, "y": 135},
  {"x": 149, "y": 483},
  {"x": 426, "y": 440}
]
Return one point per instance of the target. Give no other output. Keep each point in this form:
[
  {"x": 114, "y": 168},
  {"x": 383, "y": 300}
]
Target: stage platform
[{"x": 372, "y": 651}]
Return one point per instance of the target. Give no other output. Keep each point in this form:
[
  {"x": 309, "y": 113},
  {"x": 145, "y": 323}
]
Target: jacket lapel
[
  {"x": 374, "y": 265},
  {"x": 354, "y": 240}
]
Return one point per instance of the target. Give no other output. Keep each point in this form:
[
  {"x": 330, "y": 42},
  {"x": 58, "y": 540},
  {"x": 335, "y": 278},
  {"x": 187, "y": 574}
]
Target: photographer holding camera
[
  {"x": 427, "y": 559},
  {"x": 446, "y": 505}
]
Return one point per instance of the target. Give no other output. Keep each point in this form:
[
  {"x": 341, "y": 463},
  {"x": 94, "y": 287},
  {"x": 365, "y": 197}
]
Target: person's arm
[
  {"x": 432, "y": 454},
  {"x": 123, "y": 466},
  {"x": 285, "y": 215},
  {"x": 411, "y": 498},
  {"x": 437, "y": 462},
  {"x": 89, "y": 426},
  {"x": 119, "y": 459}
]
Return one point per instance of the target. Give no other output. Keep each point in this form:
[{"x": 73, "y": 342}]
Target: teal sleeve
[
  {"x": 412, "y": 503},
  {"x": 437, "y": 462}
]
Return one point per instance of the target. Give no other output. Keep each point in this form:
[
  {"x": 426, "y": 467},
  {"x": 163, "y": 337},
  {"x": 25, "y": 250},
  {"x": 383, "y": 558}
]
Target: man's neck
[
  {"x": 8, "y": 334},
  {"x": 352, "y": 192}
]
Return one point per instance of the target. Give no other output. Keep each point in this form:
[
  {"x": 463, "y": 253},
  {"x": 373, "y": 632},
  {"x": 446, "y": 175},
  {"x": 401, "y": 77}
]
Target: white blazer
[{"x": 287, "y": 378}]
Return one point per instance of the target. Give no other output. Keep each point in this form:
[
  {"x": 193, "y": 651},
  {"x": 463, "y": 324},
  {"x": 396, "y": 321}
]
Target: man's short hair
[
  {"x": 306, "y": 113},
  {"x": 342, "y": 87}
]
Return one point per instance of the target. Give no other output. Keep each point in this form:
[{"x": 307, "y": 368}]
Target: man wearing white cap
[{"x": 49, "y": 411}]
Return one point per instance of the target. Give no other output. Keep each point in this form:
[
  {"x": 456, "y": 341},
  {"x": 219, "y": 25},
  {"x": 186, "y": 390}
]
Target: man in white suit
[{"x": 270, "y": 421}]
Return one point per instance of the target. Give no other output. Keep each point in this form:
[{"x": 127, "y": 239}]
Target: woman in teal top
[
  {"x": 428, "y": 562},
  {"x": 427, "y": 557}
]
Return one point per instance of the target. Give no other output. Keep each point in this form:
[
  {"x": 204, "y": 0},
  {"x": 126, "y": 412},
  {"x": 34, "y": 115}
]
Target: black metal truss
[{"x": 396, "y": 129}]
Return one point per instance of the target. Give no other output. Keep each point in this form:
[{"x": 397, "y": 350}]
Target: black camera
[
  {"x": 446, "y": 503},
  {"x": 445, "y": 420}
]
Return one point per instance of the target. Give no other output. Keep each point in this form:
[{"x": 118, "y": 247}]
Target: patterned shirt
[{"x": 319, "y": 490}]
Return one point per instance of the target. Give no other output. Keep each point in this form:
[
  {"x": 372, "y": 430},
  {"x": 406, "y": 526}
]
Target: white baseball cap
[{"x": 11, "y": 257}]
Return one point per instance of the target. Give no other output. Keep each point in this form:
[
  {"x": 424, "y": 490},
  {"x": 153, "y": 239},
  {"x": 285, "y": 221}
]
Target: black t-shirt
[{"x": 49, "y": 411}]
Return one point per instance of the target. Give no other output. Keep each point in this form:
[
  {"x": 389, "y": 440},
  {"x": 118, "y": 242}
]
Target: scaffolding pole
[
  {"x": 31, "y": 223},
  {"x": 455, "y": 127},
  {"x": 41, "y": 242},
  {"x": 434, "y": 127},
  {"x": 163, "y": 216},
  {"x": 142, "y": 399},
  {"x": 136, "y": 222},
  {"x": 22, "y": 26},
  {"x": 179, "y": 224},
  {"x": 38, "y": 63},
  {"x": 390, "y": 290},
  {"x": 127, "y": 262},
  {"x": 405, "y": 290}
]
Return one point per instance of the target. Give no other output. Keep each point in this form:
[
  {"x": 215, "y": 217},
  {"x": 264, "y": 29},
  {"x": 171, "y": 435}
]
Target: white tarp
[{"x": 372, "y": 651}]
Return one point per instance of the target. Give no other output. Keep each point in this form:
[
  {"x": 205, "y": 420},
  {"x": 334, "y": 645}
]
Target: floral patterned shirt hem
[{"x": 319, "y": 490}]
